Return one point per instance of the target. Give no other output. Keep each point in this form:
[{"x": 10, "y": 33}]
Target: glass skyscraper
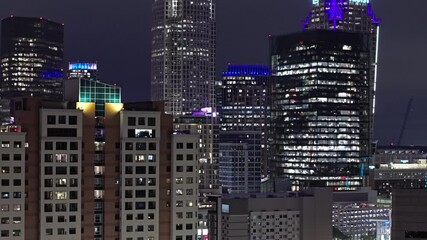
[
  {"x": 244, "y": 119},
  {"x": 31, "y": 57},
  {"x": 320, "y": 113},
  {"x": 183, "y": 55},
  {"x": 350, "y": 16}
]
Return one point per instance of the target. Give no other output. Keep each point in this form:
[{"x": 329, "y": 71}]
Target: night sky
[{"x": 116, "y": 34}]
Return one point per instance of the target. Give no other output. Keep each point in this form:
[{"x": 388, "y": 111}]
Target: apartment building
[{"x": 119, "y": 173}]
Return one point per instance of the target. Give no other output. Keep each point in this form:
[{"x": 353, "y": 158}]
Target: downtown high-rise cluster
[{"x": 281, "y": 151}]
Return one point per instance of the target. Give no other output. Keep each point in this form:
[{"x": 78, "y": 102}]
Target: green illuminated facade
[
  {"x": 99, "y": 93},
  {"x": 86, "y": 90}
]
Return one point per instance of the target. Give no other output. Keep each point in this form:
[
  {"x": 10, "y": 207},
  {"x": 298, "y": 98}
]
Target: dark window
[
  {"x": 48, "y": 182},
  {"x": 151, "y": 170},
  {"x": 129, "y": 146},
  {"x": 48, "y": 208},
  {"x": 62, "y": 132},
  {"x": 190, "y": 145},
  {"x": 48, "y": 145},
  {"x": 179, "y": 157},
  {"x": 189, "y": 168},
  {"x": 73, "y": 207},
  {"x": 128, "y": 158},
  {"x": 72, "y": 120},
  {"x": 139, "y": 205},
  {"x": 151, "y": 146},
  {"x": 140, "y": 170},
  {"x": 140, "y": 193},
  {"x": 73, "y": 194},
  {"x": 61, "y": 170},
  {"x": 128, "y": 170},
  {"x": 190, "y": 157},
  {"x": 141, "y": 121},
  {"x": 5, "y": 182},
  {"x": 73, "y": 170},
  {"x": 61, "y": 145},
  {"x": 51, "y": 119},
  {"x": 17, "y": 157},
  {"x": 48, "y": 170},
  {"x": 131, "y": 121},
  {"x": 74, "y": 145},
  {"x": 128, "y": 194},
  {"x": 151, "y": 182},
  {"x": 151, "y": 205},
  {"x": 179, "y": 168},
  {"x": 141, "y": 146},
  {"x": 61, "y": 119},
  {"x": 151, "y": 193},
  {"x": 131, "y": 133},
  {"x": 5, "y": 157},
  {"x": 16, "y": 182},
  {"x": 179, "y": 145},
  {"x": 151, "y": 121},
  {"x": 128, "y": 182},
  {"x": 72, "y": 218}
]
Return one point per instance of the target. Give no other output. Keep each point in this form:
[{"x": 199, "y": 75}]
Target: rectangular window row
[
  {"x": 141, "y": 133},
  {"x": 140, "y": 170},
  {"x": 141, "y": 146},
  {"x": 72, "y": 218},
  {"x": 61, "y": 182},
  {"x": 61, "y": 146},
  {"x": 140, "y": 193},
  {"x": 13, "y": 207},
  {"x": 7, "y": 157},
  {"x": 6, "y": 182},
  {"x": 140, "y": 182},
  {"x": 14, "y": 233},
  {"x": 188, "y": 157},
  {"x": 6, "y": 220},
  {"x": 6, "y": 170},
  {"x": 150, "y": 121},
  {"x": 52, "y": 119},
  {"x": 7, "y": 195},
  {"x": 60, "y": 170},
  {"x": 7, "y": 144},
  {"x": 61, "y": 207},
  {"x": 61, "y": 158},
  {"x": 187, "y": 145},
  {"x": 61, "y": 231},
  {"x": 60, "y": 195},
  {"x": 139, "y": 205},
  {"x": 187, "y": 168}
]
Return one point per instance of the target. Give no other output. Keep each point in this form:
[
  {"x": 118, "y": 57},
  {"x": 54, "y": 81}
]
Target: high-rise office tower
[
  {"x": 83, "y": 70},
  {"x": 320, "y": 108},
  {"x": 350, "y": 16},
  {"x": 244, "y": 119},
  {"x": 32, "y": 57},
  {"x": 183, "y": 55}
]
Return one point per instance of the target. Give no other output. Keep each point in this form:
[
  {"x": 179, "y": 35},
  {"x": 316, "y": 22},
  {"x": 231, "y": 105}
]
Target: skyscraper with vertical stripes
[{"x": 183, "y": 55}]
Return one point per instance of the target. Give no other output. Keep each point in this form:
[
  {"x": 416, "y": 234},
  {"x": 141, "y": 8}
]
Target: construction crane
[{"x": 405, "y": 120}]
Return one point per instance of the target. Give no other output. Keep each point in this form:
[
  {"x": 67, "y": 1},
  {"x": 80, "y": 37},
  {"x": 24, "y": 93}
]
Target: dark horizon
[{"x": 116, "y": 35}]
